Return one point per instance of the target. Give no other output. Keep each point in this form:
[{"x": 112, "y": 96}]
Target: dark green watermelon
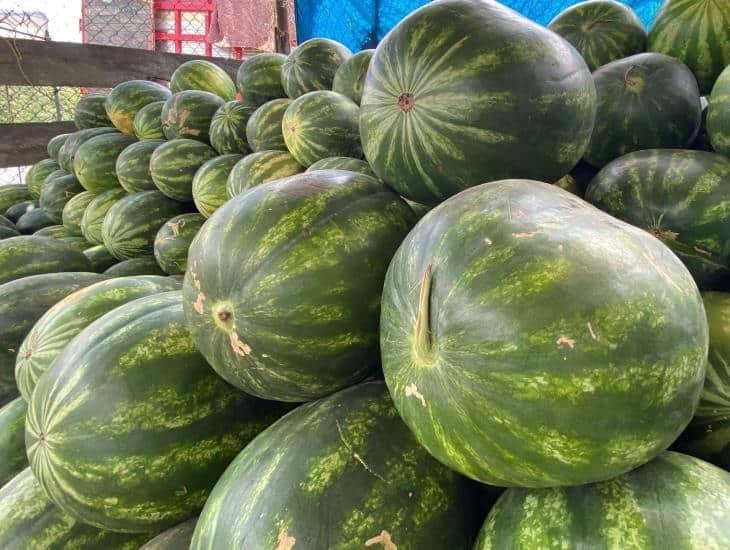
[
  {"x": 12, "y": 439},
  {"x": 37, "y": 174},
  {"x": 205, "y": 76},
  {"x": 8, "y": 232},
  {"x": 188, "y": 115},
  {"x": 173, "y": 241},
  {"x": 419, "y": 209},
  {"x": 312, "y": 66},
  {"x": 343, "y": 163},
  {"x": 259, "y": 78},
  {"x": 126, "y": 99},
  {"x": 682, "y": 197},
  {"x": 55, "y": 231},
  {"x": 31, "y": 255},
  {"x": 55, "y": 144},
  {"x": 67, "y": 154},
  {"x": 95, "y": 212},
  {"x": 350, "y": 77},
  {"x": 56, "y": 193},
  {"x": 133, "y": 166},
  {"x": 271, "y": 323},
  {"x": 263, "y": 130},
  {"x": 18, "y": 209},
  {"x": 101, "y": 456},
  {"x": 529, "y": 339},
  {"x": 73, "y": 212},
  {"x": 228, "y": 128},
  {"x": 33, "y": 221},
  {"x": 148, "y": 121},
  {"x": 463, "y": 92},
  {"x": 100, "y": 258},
  {"x": 96, "y": 160},
  {"x": 718, "y": 114},
  {"x": 209, "y": 183},
  {"x": 90, "y": 111},
  {"x": 13, "y": 193},
  {"x": 261, "y": 167},
  {"x": 146, "y": 265},
  {"x": 4, "y": 222},
  {"x": 174, "y": 538},
  {"x": 174, "y": 163}
]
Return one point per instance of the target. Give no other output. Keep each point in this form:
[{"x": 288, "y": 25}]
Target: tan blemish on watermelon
[
  {"x": 355, "y": 455},
  {"x": 565, "y": 341},
  {"x": 701, "y": 251},
  {"x": 198, "y": 304},
  {"x": 384, "y": 539},
  {"x": 412, "y": 391},
  {"x": 650, "y": 258},
  {"x": 488, "y": 241},
  {"x": 284, "y": 541},
  {"x": 590, "y": 329},
  {"x": 175, "y": 227},
  {"x": 526, "y": 235},
  {"x": 159, "y": 239},
  {"x": 239, "y": 347},
  {"x": 664, "y": 233}
]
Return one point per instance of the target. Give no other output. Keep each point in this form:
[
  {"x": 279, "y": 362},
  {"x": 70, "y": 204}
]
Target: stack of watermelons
[{"x": 343, "y": 301}]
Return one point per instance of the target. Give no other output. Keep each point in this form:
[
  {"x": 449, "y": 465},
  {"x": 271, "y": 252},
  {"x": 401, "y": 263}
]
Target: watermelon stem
[{"x": 423, "y": 342}]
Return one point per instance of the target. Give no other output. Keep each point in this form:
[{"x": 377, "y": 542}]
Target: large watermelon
[
  {"x": 261, "y": 167},
  {"x": 55, "y": 144},
  {"x": 698, "y": 33},
  {"x": 718, "y": 114},
  {"x": 90, "y": 111},
  {"x": 146, "y": 265},
  {"x": 8, "y": 232},
  {"x": 12, "y": 439},
  {"x": 143, "y": 459},
  {"x": 68, "y": 150},
  {"x": 96, "y": 211},
  {"x": 127, "y": 98},
  {"x": 173, "y": 241},
  {"x": 133, "y": 166},
  {"x": 148, "y": 121},
  {"x": 73, "y": 212},
  {"x": 209, "y": 183},
  {"x": 601, "y": 30},
  {"x": 28, "y": 520},
  {"x": 56, "y": 193},
  {"x": 529, "y": 339},
  {"x": 263, "y": 130},
  {"x": 350, "y": 77},
  {"x": 22, "y": 302},
  {"x": 18, "y": 209},
  {"x": 174, "y": 538},
  {"x": 33, "y": 221},
  {"x": 95, "y": 162},
  {"x": 645, "y": 101},
  {"x": 31, "y": 255},
  {"x": 13, "y": 193},
  {"x": 296, "y": 315},
  {"x": 101, "y": 259},
  {"x": 228, "y": 128},
  {"x": 188, "y": 115},
  {"x": 52, "y": 176},
  {"x": 342, "y": 163},
  {"x": 321, "y": 124},
  {"x": 462, "y": 92},
  {"x": 37, "y": 173},
  {"x": 682, "y": 197},
  {"x": 174, "y": 163},
  {"x": 77, "y": 242},
  {"x": 130, "y": 225},
  {"x": 66, "y": 319},
  {"x": 342, "y": 472},
  {"x": 312, "y": 66},
  {"x": 55, "y": 231},
  {"x": 259, "y": 78},
  {"x": 675, "y": 501},
  {"x": 203, "y": 75}
]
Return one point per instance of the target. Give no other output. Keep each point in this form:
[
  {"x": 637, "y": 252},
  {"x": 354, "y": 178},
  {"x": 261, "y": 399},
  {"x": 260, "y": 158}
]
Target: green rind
[
  {"x": 146, "y": 265},
  {"x": 55, "y": 144},
  {"x": 228, "y": 128},
  {"x": 343, "y": 163},
  {"x": 297, "y": 317},
  {"x": 30, "y": 255},
  {"x": 100, "y": 258},
  {"x": 55, "y": 231},
  {"x": 133, "y": 166},
  {"x": 95, "y": 212},
  {"x": 12, "y": 439},
  {"x": 73, "y": 212},
  {"x": 718, "y": 114},
  {"x": 56, "y": 193},
  {"x": 188, "y": 115},
  {"x": 312, "y": 66},
  {"x": 4, "y": 222},
  {"x": 103, "y": 455},
  {"x": 7, "y": 232},
  {"x": 90, "y": 111},
  {"x": 126, "y": 99},
  {"x": 175, "y": 538},
  {"x": 13, "y": 193},
  {"x": 18, "y": 209},
  {"x": 209, "y": 183},
  {"x": 259, "y": 78},
  {"x": 96, "y": 160},
  {"x": 33, "y": 221},
  {"x": 350, "y": 77},
  {"x": 263, "y": 130},
  {"x": 261, "y": 167},
  {"x": 173, "y": 166},
  {"x": 173, "y": 241},
  {"x": 529, "y": 339},
  {"x": 67, "y": 153},
  {"x": 205, "y": 76},
  {"x": 37, "y": 174},
  {"x": 148, "y": 121},
  {"x": 76, "y": 242}
]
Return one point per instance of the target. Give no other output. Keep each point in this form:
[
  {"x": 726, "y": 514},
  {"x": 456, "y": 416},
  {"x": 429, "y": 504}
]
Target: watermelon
[
  {"x": 228, "y": 128},
  {"x": 67, "y": 154},
  {"x": 56, "y": 193},
  {"x": 261, "y": 167},
  {"x": 22, "y": 302},
  {"x": 52, "y": 176},
  {"x": 173, "y": 241},
  {"x": 321, "y": 124},
  {"x": 462, "y": 92},
  {"x": 188, "y": 114},
  {"x": 675, "y": 501},
  {"x": 645, "y": 101},
  {"x": 574, "y": 344},
  {"x": 259, "y": 78},
  {"x": 28, "y": 520},
  {"x": 342, "y": 472},
  {"x": 37, "y": 173},
  {"x": 697, "y": 32},
  {"x": 96, "y": 211},
  {"x": 74, "y": 210},
  {"x": 55, "y": 144},
  {"x": 100, "y": 258},
  {"x": 12, "y": 193},
  {"x": 174, "y": 538},
  {"x": 681, "y": 197},
  {"x": 90, "y": 111},
  {"x": 343, "y": 163},
  {"x": 95, "y": 161},
  {"x": 127, "y": 98},
  {"x": 174, "y": 163},
  {"x": 145, "y": 265},
  {"x": 101, "y": 456},
  {"x": 19, "y": 208},
  {"x": 76, "y": 242},
  {"x": 130, "y": 225},
  {"x": 12, "y": 439},
  {"x": 33, "y": 221},
  {"x": 8, "y": 232},
  {"x": 4, "y": 222},
  {"x": 55, "y": 231},
  {"x": 269, "y": 321},
  {"x": 312, "y": 66},
  {"x": 350, "y": 77},
  {"x": 66, "y": 319},
  {"x": 419, "y": 209},
  {"x": 148, "y": 121},
  {"x": 718, "y": 114},
  {"x": 133, "y": 166},
  {"x": 199, "y": 74},
  {"x": 263, "y": 130},
  {"x": 601, "y": 30},
  {"x": 31, "y": 255},
  {"x": 209, "y": 183}
]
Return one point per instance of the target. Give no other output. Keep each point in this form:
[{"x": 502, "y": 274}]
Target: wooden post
[{"x": 281, "y": 30}]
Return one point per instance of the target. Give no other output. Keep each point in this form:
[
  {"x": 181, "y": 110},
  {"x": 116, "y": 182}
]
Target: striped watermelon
[
  {"x": 228, "y": 128},
  {"x": 174, "y": 163},
  {"x": 101, "y": 456},
  {"x": 148, "y": 121},
  {"x": 55, "y": 231},
  {"x": 462, "y": 92},
  {"x": 188, "y": 115},
  {"x": 133, "y": 166},
  {"x": 33, "y": 221},
  {"x": 271, "y": 323},
  {"x": 55, "y": 144},
  {"x": 95, "y": 161},
  {"x": 146, "y": 265},
  {"x": 76, "y": 242},
  {"x": 52, "y": 176},
  {"x": 259, "y": 78},
  {"x": 90, "y": 111},
  {"x": 529, "y": 339},
  {"x": 258, "y": 168},
  {"x": 209, "y": 183},
  {"x": 4, "y": 222},
  {"x": 95, "y": 213},
  {"x": 203, "y": 75},
  {"x": 698, "y": 33},
  {"x": 100, "y": 258},
  {"x": 56, "y": 193},
  {"x": 312, "y": 66},
  {"x": 718, "y": 114},
  {"x": 31, "y": 255},
  {"x": 675, "y": 501},
  {"x": 127, "y": 98},
  {"x": 263, "y": 130},
  {"x": 8, "y": 232},
  {"x": 645, "y": 101},
  {"x": 350, "y": 77},
  {"x": 12, "y": 439},
  {"x": 601, "y": 30},
  {"x": 74, "y": 210},
  {"x": 66, "y": 319},
  {"x": 12, "y": 193},
  {"x": 18, "y": 209},
  {"x": 343, "y": 163},
  {"x": 174, "y": 538},
  {"x": 321, "y": 124},
  {"x": 173, "y": 241},
  {"x": 37, "y": 174},
  {"x": 68, "y": 150}
]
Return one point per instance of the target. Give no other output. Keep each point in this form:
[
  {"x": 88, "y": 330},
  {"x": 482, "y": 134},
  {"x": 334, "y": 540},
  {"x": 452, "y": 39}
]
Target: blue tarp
[{"x": 361, "y": 24}]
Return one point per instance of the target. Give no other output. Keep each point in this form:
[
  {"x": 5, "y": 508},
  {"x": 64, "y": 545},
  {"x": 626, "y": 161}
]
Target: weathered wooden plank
[{"x": 24, "y": 144}]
